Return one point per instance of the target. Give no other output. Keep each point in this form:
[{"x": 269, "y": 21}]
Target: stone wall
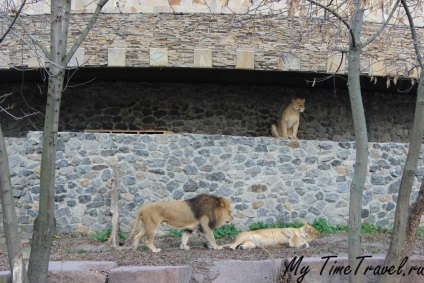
[
  {"x": 265, "y": 178},
  {"x": 256, "y": 42},
  {"x": 237, "y": 110}
]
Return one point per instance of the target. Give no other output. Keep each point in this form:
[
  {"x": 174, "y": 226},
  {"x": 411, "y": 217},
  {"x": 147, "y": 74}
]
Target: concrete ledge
[
  {"x": 5, "y": 277},
  {"x": 73, "y": 271},
  {"x": 333, "y": 269},
  {"x": 299, "y": 269},
  {"x": 80, "y": 271},
  {"x": 316, "y": 270},
  {"x": 263, "y": 271},
  {"x": 149, "y": 274}
]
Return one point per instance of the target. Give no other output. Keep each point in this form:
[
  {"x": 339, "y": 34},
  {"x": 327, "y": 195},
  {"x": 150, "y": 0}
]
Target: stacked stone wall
[
  {"x": 265, "y": 179},
  {"x": 237, "y": 110},
  {"x": 218, "y": 41}
]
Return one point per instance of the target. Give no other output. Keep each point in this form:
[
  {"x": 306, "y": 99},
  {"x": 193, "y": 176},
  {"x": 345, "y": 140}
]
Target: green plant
[
  {"x": 371, "y": 229},
  {"x": 67, "y": 250},
  {"x": 81, "y": 251},
  {"x": 173, "y": 233},
  {"x": 322, "y": 226},
  {"x": 101, "y": 236},
  {"x": 122, "y": 234},
  {"x": 261, "y": 225},
  {"x": 228, "y": 230},
  {"x": 287, "y": 225},
  {"x": 258, "y": 225},
  {"x": 420, "y": 232}
]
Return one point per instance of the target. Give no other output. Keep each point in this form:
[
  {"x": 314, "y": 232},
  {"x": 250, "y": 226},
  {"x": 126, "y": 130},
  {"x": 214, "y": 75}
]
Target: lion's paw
[
  {"x": 184, "y": 247},
  {"x": 218, "y": 248},
  {"x": 157, "y": 250},
  {"x": 294, "y": 144}
]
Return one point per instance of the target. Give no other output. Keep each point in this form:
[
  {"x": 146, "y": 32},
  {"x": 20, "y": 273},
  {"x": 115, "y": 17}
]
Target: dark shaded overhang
[{"x": 203, "y": 75}]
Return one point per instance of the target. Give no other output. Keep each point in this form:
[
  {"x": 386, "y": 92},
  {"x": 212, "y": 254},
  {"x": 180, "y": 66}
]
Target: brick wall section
[{"x": 271, "y": 39}]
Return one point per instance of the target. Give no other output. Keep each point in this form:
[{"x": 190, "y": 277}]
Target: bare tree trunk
[
  {"x": 402, "y": 218},
  {"x": 415, "y": 214},
  {"x": 406, "y": 221},
  {"x": 45, "y": 223},
  {"x": 18, "y": 273},
  {"x": 9, "y": 216},
  {"x": 361, "y": 138},
  {"x": 113, "y": 237}
]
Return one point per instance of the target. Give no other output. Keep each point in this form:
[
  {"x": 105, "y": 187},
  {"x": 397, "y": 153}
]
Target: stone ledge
[
  {"x": 80, "y": 271},
  {"x": 73, "y": 271},
  {"x": 268, "y": 270},
  {"x": 227, "y": 270},
  {"x": 5, "y": 277},
  {"x": 102, "y": 272},
  {"x": 148, "y": 274},
  {"x": 319, "y": 274},
  {"x": 264, "y": 271}
]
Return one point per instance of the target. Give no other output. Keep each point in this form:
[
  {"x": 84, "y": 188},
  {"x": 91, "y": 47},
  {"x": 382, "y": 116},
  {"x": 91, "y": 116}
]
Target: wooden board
[{"x": 139, "y": 132}]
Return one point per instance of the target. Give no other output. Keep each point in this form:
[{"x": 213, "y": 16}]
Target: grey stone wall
[
  {"x": 272, "y": 38},
  {"x": 265, "y": 178},
  {"x": 238, "y": 110}
]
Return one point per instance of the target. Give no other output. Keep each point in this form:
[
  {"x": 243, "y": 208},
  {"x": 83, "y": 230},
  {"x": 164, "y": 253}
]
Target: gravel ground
[{"x": 72, "y": 247}]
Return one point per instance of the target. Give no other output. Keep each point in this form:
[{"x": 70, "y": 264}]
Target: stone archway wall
[
  {"x": 237, "y": 110},
  {"x": 265, "y": 178}
]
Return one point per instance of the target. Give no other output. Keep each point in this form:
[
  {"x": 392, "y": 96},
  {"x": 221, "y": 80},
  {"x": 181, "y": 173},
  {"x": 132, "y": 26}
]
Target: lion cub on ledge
[
  {"x": 288, "y": 123},
  {"x": 275, "y": 238}
]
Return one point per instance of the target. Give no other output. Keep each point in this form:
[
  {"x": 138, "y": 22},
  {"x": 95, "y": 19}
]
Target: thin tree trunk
[
  {"x": 403, "y": 220},
  {"x": 361, "y": 138},
  {"x": 10, "y": 224},
  {"x": 407, "y": 220},
  {"x": 113, "y": 237},
  {"x": 45, "y": 223},
  {"x": 415, "y": 214},
  {"x": 19, "y": 272}
]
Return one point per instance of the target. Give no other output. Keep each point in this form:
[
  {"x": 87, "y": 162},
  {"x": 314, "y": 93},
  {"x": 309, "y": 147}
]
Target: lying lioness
[
  {"x": 203, "y": 212},
  {"x": 275, "y": 237}
]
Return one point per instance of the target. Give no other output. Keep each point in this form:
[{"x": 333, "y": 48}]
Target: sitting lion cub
[
  {"x": 288, "y": 123},
  {"x": 275, "y": 237}
]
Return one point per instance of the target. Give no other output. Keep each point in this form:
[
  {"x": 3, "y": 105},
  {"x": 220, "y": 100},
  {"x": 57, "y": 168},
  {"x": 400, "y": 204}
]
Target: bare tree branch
[
  {"x": 13, "y": 22},
  {"x": 33, "y": 38},
  {"x": 340, "y": 18},
  {"x": 87, "y": 29},
  {"x": 371, "y": 39},
  {"x": 413, "y": 33}
]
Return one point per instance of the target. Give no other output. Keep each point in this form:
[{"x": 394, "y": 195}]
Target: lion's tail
[{"x": 138, "y": 219}]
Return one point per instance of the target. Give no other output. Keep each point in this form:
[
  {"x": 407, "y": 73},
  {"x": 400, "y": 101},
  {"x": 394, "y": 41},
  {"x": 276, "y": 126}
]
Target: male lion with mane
[
  {"x": 275, "y": 238},
  {"x": 203, "y": 212}
]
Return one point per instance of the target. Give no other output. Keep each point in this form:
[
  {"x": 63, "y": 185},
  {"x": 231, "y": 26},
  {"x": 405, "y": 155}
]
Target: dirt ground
[{"x": 73, "y": 247}]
